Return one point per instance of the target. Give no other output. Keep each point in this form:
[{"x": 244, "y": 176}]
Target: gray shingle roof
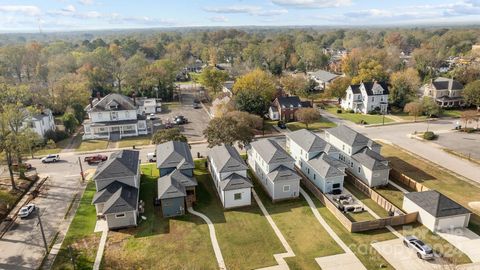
[
  {"x": 355, "y": 88},
  {"x": 323, "y": 75},
  {"x": 174, "y": 155},
  {"x": 291, "y": 101},
  {"x": 235, "y": 181},
  {"x": 226, "y": 159},
  {"x": 181, "y": 178},
  {"x": 123, "y": 102},
  {"x": 326, "y": 166},
  {"x": 442, "y": 83},
  {"x": 349, "y": 136},
  {"x": 271, "y": 151},
  {"x": 120, "y": 164},
  {"x": 310, "y": 142},
  {"x": 437, "y": 204},
  {"x": 168, "y": 187},
  {"x": 282, "y": 173},
  {"x": 124, "y": 198},
  {"x": 371, "y": 159},
  {"x": 370, "y": 86}
]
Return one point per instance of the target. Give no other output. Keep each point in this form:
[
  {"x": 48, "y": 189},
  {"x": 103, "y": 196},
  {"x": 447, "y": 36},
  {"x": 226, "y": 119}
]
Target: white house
[
  {"x": 446, "y": 92},
  {"x": 317, "y": 159},
  {"x": 40, "y": 122},
  {"x": 274, "y": 168},
  {"x": 114, "y": 117},
  {"x": 436, "y": 211},
  {"x": 229, "y": 174},
  {"x": 366, "y": 97},
  {"x": 150, "y": 105},
  {"x": 360, "y": 154},
  {"x": 273, "y": 113}
]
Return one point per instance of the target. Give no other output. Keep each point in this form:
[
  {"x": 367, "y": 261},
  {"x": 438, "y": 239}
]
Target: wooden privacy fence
[
  {"x": 407, "y": 181},
  {"x": 361, "y": 226}
]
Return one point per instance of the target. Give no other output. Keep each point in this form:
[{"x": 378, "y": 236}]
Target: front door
[{"x": 328, "y": 187}]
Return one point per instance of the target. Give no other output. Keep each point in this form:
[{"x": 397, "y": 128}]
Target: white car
[
  {"x": 423, "y": 251},
  {"x": 50, "y": 158},
  {"x": 26, "y": 210},
  {"x": 151, "y": 157}
]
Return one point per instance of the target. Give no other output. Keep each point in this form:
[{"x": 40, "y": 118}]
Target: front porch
[{"x": 110, "y": 132}]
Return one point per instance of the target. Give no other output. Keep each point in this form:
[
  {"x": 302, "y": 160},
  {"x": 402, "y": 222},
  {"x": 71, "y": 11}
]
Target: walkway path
[
  {"x": 101, "y": 246},
  {"x": 213, "y": 238},
  {"x": 280, "y": 258}
]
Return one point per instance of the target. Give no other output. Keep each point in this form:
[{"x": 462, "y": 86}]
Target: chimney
[
  {"x": 134, "y": 96},
  {"x": 98, "y": 95},
  {"x": 91, "y": 102}
]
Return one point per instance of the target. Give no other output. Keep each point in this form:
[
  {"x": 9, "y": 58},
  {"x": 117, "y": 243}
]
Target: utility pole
[
  {"x": 41, "y": 230},
  {"x": 81, "y": 169}
]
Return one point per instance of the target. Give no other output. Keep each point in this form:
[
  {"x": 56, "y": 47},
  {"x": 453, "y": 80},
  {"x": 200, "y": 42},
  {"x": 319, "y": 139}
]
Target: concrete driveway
[
  {"x": 465, "y": 240},
  {"x": 403, "y": 258}
]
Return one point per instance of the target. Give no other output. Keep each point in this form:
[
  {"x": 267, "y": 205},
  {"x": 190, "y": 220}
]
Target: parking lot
[{"x": 461, "y": 142}]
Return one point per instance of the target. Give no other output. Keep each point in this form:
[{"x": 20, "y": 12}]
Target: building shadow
[{"x": 410, "y": 170}]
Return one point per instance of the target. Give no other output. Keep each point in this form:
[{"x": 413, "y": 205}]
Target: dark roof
[
  {"x": 169, "y": 187},
  {"x": 447, "y": 84},
  {"x": 235, "y": 181},
  {"x": 120, "y": 164},
  {"x": 437, "y": 204},
  {"x": 326, "y": 166},
  {"x": 310, "y": 142},
  {"x": 182, "y": 178},
  {"x": 291, "y": 101},
  {"x": 371, "y": 86},
  {"x": 282, "y": 173},
  {"x": 349, "y": 136},
  {"x": 122, "y": 102},
  {"x": 371, "y": 159},
  {"x": 124, "y": 198},
  {"x": 174, "y": 154},
  {"x": 355, "y": 88},
  {"x": 226, "y": 159},
  {"x": 271, "y": 151},
  {"x": 103, "y": 195}
]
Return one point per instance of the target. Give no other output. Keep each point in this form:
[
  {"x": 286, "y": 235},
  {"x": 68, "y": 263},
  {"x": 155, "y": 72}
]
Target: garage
[{"x": 436, "y": 211}]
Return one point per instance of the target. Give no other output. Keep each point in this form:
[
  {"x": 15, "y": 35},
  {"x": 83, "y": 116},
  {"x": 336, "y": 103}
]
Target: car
[
  {"x": 281, "y": 125},
  {"x": 168, "y": 125},
  {"x": 23, "y": 166},
  {"x": 151, "y": 116},
  {"x": 50, "y": 158},
  {"x": 180, "y": 120},
  {"x": 95, "y": 159},
  {"x": 196, "y": 105},
  {"x": 423, "y": 250},
  {"x": 151, "y": 157},
  {"x": 26, "y": 210}
]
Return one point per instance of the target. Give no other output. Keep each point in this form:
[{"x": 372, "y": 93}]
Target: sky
[{"x": 70, "y": 15}]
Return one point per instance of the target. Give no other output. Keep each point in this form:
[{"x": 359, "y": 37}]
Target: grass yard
[
  {"x": 245, "y": 237},
  {"x": 357, "y": 117},
  {"x": 323, "y": 123},
  {"x": 269, "y": 126},
  {"x": 366, "y": 200},
  {"x": 452, "y": 113},
  {"x": 137, "y": 141},
  {"x": 59, "y": 146},
  {"x": 80, "y": 236},
  {"x": 160, "y": 243},
  {"x": 301, "y": 229},
  {"x": 392, "y": 194},
  {"x": 431, "y": 176},
  {"x": 407, "y": 117},
  {"x": 92, "y": 145}
]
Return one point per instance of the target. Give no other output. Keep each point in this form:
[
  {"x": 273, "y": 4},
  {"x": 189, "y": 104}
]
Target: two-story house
[
  {"x": 176, "y": 184},
  {"x": 366, "y": 97},
  {"x": 284, "y": 108},
  {"x": 114, "y": 117},
  {"x": 40, "y": 122},
  {"x": 117, "y": 183},
  {"x": 317, "y": 159},
  {"x": 274, "y": 168},
  {"x": 229, "y": 175},
  {"x": 446, "y": 92},
  {"x": 360, "y": 154}
]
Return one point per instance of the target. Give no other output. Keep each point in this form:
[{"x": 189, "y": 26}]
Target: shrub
[
  {"x": 339, "y": 110},
  {"x": 55, "y": 135},
  {"x": 429, "y": 135},
  {"x": 468, "y": 130},
  {"x": 351, "y": 111},
  {"x": 51, "y": 144}
]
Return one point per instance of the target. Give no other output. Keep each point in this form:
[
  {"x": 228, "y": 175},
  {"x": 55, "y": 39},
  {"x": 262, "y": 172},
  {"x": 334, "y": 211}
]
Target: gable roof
[
  {"x": 355, "y": 88},
  {"x": 271, "y": 151},
  {"x": 310, "y": 142},
  {"x": 371, "y": 86},
  {"x": 123, "y": 102},
  {"x": 168, "y": 187},
  {"x": 371, "y": 159},
  {"x": 120, "y": 164},
  {"x": 436, "y": 204},
  {"x": 235, "y": 181},
  {"x": 349, "y": 136},
  {"x": 182, "y": 178},
  {"x": 326, "y": 166},
  {"x": 174, "y": 154},
  {"x": 323, "y": 75},
  {"x": 442, "y": 83},
  {"x": 291, "y": 101},
  {"x": 124, "y": 198},
  {"x": 226, "y": 159},
  {"x": 282, "y": 173}
]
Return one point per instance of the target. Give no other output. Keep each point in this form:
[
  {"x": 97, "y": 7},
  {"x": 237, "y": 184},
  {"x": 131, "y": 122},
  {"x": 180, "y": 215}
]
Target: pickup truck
[{"x": 95, "y": 159}]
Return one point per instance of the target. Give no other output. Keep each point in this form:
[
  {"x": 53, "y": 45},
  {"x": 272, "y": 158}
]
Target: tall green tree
[
  {"x": 471, "y": 94},
  {"x": 430, "y": 107},
  {"x": 228, "y": 130},
  {"x": 404, "y": 85},
  {"x": 213, "y": 79},
  {"x": 170, "y": 134},
  {"x": 257, "y": 81},
  {"x": 370, "y": 70},
  {"x": 251, "y": 102},
  {"x": 338, "y": 88},
  {"x": 70, "y": 122}
]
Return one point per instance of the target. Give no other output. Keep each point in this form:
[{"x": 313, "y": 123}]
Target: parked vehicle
[
  {"x": 168, "y": 125},
  {"x": 180, "y": 120},
  {"x": 423, "y": 251},
  {"x": 353, "y": 208},
  {"x": 24, "y": 166},
  {"x": 26, "y": 210},
  {"x": 151, "y": 157},
  {"x": 95, "y": 159},
  {"x": 152, "y": 116},
  {"x": 281, "y": 125},
  {"x": 50, "y": 158},
  {"x": 196, "y": 104}
]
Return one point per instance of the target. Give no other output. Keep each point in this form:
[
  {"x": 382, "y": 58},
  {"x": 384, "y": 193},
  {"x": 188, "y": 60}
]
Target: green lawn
[
  {"x": 80, "y": 236},
  {"x": 59, "y": 146},
  {"x": 323, "y": 123},
  {"x": 137, "y": 141},
  {"x": 269, "y": 126},
  {"x": 301, "y": 229},
  {"x": 160, "y": 243},
  {"x": 452, "y": 113},
  {"x": 392, "y": 194},
  {"x": 366, "y": 200},
  {"x": 407, "y": 117},
  {"x": 357, "y": 117},
  {"x": 245, "y": 237},
  {"x": 92, "y": 145},
  {"x": 431, "y": 176}
]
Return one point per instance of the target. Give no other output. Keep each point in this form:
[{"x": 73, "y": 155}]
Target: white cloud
[
  {"x": 251, "y": 10},
  {"x": 69, "y": 8},
  {"x": 220, "y": 18},
  {"x": 86, "y": 2},
  {"x": 26, "y": 10},
  {"x": 312, "y": 3}
]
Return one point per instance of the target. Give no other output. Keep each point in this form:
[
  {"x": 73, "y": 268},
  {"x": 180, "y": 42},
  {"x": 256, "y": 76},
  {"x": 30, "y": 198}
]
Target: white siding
[{"x": 230, "y": 201}]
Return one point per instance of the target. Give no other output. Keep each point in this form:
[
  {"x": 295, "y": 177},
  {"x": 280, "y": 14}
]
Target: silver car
[
  {"x": 423, "y": 250},
  {"x": 26, "y": 210}
]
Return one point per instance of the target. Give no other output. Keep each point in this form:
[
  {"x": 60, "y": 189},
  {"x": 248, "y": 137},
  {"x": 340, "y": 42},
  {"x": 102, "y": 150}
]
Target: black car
[
  {"x": 196, "y": 104},
  {"x": 281, "y": 125},
  {"x": 180, "y": 120}
]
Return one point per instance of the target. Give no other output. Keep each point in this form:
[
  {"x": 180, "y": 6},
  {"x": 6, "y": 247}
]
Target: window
[
  {"x": 120, "y": 215},
  {"x": 337, "y": 185},
  {"x": 306, "y": 155},
  {"x": 308, "y": 170},
  {"x": 351, "y": 164},
  {"x": 237, "y": 196},
  {"x": 373, "y": 99},
  {"x": 343, "y": 147},
  {"x": 301, "y": 164},
  {"x": 286, "y": 188},
  {"x": 314, "y": 176},
  {"x": 358, "y": 169}
]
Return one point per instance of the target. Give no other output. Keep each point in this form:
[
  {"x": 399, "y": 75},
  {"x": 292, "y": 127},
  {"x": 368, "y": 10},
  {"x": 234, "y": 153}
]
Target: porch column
[
  {"x": 121, "y": 131},
  {"x": 136, "y": 130}
]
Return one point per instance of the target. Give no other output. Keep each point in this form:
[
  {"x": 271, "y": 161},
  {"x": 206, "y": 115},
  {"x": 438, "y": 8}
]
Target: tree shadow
[{"x": 410, "y": 170}]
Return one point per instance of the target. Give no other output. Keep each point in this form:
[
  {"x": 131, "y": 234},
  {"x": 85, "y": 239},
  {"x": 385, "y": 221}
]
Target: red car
[
  {"x": 24, "y": 166},
  {"x": 95, "y": 159}
]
